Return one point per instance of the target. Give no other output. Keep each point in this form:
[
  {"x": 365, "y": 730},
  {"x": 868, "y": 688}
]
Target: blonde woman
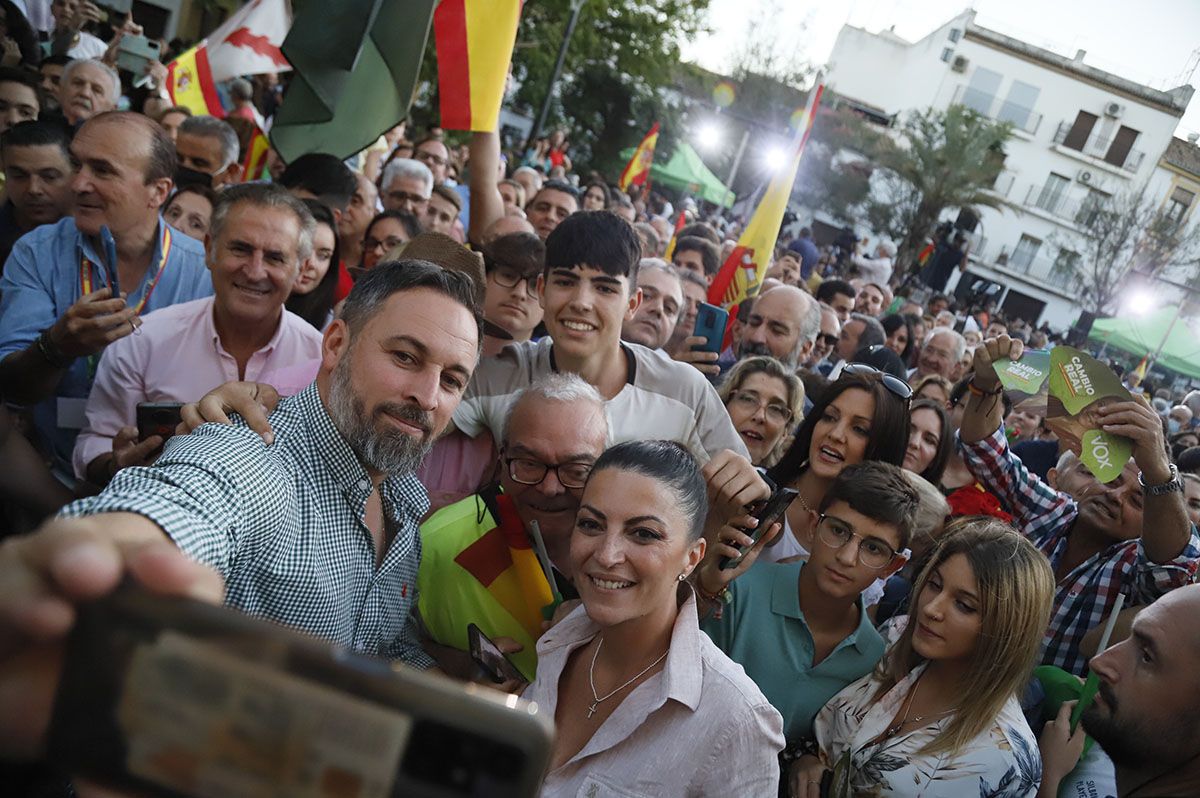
[
  {"x": 765, "y": 403},
  {"x": 939, "y": 717}
]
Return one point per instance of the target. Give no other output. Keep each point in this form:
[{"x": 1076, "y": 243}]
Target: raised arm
[{"x": 486, "y": 203}]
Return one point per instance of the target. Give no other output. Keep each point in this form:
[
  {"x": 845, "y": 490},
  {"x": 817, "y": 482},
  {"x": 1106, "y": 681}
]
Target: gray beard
[{"x": 379, "y": 446}]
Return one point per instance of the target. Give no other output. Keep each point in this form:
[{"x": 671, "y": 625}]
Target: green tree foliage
[
  {"x": 622, "y": 55},
  {"x": 939, "y": 160}
]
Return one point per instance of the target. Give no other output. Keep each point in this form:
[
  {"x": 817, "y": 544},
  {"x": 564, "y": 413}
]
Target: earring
[{"x": 682, "y": 577}]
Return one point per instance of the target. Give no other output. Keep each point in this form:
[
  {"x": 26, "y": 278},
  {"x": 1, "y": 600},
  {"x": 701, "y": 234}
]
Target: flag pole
[{"x": 576, "y": 7}]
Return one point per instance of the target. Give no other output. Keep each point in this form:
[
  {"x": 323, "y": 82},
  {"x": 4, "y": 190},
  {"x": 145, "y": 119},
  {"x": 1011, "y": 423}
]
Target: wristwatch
[{"x": 1173, "y": 485}]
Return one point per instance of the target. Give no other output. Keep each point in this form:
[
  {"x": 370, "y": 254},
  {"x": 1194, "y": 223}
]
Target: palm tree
[{"x": 936, "y": 160}]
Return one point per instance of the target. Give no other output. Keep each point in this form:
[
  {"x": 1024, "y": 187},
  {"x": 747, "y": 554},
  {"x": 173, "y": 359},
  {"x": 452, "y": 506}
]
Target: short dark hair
[
  {"x": 558, "y": 185},
  {"x": 376, "y": 286},
  {"x": 701, "y": 230},
  {"x": 828, "y": 289},
  {"x": 24, "y": 77},
  {"x": 38, "y": 133},
  {"x": 669, "y": 463},
  {"x": 61, "y": 59},
  {"x": 709, "y": 254},
  {"x": 881, "y": 492},
  {"x": 521, "y": 252},
  {"x": 889, "y": 427},
  {"x": 937, "y": 466},
  {"x": 406, "y": 220},
  {"x": 322, "y": 175},
  {"x": 599, "y": 239}
]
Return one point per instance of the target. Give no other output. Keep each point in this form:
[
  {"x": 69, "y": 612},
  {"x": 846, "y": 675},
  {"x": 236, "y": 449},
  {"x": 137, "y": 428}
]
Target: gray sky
[{"x": 1150, "y": 41}]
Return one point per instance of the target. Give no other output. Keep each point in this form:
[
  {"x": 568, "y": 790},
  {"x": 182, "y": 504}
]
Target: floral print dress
[{"x": 1002, "y": 762}]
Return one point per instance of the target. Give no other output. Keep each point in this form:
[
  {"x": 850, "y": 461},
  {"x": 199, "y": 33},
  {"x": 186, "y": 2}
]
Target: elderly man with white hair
[
  {"x": 407, "y": 186},
  {"x": 943, "y": 350},
  {"x": 877, "y": 270},
  {"x": 88, "y": 87}
]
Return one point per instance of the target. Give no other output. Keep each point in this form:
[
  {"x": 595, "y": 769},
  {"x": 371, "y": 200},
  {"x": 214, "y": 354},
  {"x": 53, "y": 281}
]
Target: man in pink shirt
[{"x": 259, "y": 236}]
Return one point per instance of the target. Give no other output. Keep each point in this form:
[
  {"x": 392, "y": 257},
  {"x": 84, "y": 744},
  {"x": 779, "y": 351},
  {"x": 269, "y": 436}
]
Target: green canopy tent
[
  {"x": 1142, "y": 336},
  {"x": 685, "y": 171}
]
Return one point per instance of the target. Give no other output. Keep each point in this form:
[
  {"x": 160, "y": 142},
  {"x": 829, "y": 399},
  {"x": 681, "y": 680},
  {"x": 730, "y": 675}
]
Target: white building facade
[{"x": 1079, "y": 134}]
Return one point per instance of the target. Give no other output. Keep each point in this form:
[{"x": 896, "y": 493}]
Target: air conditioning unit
[
  {"x": 960, "y": 63},
  {"x": 1085, "y": 177},
  {"x": 1114, "y": 110}
]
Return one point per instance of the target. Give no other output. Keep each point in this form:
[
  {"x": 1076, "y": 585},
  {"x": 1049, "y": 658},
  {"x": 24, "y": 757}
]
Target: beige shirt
[{"x": 698, "y": 727}]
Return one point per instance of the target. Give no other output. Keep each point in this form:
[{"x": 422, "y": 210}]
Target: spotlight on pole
[
  {"x": 708, "y": 136},
  {"x": 775, "y": 158},
  {"x": 1140, "y": 302}
]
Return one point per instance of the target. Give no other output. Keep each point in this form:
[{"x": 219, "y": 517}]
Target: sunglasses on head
[{"x": 894, "y": 384}]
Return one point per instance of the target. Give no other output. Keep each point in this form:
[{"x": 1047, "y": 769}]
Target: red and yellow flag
[
  {"x": 637, "y": 171},
  {"x": 190, "y": 83},
  {"x": 744, "y": 270},
  {"x": 680, "y": 223},
  {"x": 254, "y": 165},
  {"x": 475, "y": 41}
]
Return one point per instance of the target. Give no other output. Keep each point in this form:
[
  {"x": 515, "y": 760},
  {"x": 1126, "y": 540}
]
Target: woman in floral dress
[{"x": 939, "y": 717}]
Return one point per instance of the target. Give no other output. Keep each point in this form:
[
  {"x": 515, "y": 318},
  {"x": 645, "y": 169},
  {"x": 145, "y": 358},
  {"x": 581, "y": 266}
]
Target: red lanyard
[{"x": 85, "y": 272}]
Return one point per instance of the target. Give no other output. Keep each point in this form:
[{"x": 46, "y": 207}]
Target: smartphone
[
  {"x": 490, "y": 658},
  {"x": 158, "y": 418},
  {"x": 169, "y": 696},
  {"x": 767, "y": 513},
  {"x": 134, "y": 52},
  {"x": 711, "y": 322}
]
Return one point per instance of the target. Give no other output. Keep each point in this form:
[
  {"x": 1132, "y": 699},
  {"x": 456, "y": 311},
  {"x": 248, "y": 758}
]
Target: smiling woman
[{"x": 628, "y": 675}]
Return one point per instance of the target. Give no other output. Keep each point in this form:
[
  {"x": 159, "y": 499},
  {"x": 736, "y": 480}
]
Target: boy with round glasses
[{"x": 799, "y": 628}]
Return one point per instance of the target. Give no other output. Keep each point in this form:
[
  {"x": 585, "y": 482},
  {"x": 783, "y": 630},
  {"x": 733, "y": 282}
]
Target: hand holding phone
[
  {"x": 767, "y": 514},
  {"x": 488, "y": 656},
  {"x": 158, "y": 418},
  {"x": 711, "y": 322}
]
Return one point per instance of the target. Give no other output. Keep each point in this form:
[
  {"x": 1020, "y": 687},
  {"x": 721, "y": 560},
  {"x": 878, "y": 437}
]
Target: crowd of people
[{"x": 397, "y": 375}]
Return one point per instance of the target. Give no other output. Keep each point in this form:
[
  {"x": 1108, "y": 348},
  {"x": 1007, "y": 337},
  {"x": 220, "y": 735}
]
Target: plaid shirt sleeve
[
  {"x": 195, "y": 492},
  {"x": 1153, "y": 579},
  {"x": 1038, "y": 510}
]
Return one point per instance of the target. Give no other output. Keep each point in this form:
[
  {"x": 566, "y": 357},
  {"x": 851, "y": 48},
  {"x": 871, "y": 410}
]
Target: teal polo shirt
[{"x": 763, "y": 630}]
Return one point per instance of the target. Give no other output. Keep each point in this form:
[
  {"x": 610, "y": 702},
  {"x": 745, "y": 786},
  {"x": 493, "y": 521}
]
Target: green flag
[
  {"x": 355, "y": 73},
  {"x": 1079, "y": 385}
]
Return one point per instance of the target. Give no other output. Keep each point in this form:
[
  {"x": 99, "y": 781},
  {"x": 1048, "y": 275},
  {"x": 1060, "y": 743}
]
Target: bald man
[
  {"x": 783, "y": 324},
  {"x": 1145, "y": 714}
]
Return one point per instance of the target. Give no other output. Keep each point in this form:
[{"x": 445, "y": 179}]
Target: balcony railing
[
  {"x": 1001, "y": 110},
  {"x": 1051, "y": 272},
  {"x": 1054, "y": 201},
  {"x": 1097, "y": 147}
]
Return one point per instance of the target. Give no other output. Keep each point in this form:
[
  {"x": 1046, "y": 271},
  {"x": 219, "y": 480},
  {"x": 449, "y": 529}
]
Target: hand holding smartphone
[
  {"x": 711, "y": 322},
  {"x": 488, "y": 656},
  {"x": 768, "y": 513}
]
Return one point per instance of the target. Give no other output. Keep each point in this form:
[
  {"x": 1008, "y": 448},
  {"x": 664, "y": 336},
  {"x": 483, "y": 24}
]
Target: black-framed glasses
[
  {"x": 751, "y": 401},
  {"x": 511, "y": 278},
  {"x": 399, "y": 196},
  {"x": 829, "y": 340},
  {"x": 525, "y": 471},
  {"x": 836, "y": 533},
  {"x": 893, "y": 383}
]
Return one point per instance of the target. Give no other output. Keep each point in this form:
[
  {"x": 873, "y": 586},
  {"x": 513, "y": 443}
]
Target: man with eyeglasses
[
  {"x": 407, "y": 186},
  {"x": 510, "y": 304},
  {"x": 434, "y": 154},
  {"x": 799, "y": 628},
  {"x": 478, "y": 562}
]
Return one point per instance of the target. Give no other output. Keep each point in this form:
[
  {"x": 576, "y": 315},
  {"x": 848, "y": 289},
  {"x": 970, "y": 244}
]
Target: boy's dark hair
[
  {"x": 879, "y": 491},
  {"x": 710, "y": 256},
  {"x": 669, "y": 463},
  {"x": 322, "y": 175},
  {"x": 61, "y": 59},
  {"x": 599, "y": 239},
  {"x": 522, "y": 252},
  {"x": 701, "y": 230},
  {"x": 559, "y": 185},
  {"x": 27, "y": 78},
  {"x": 828, "y": 289}
]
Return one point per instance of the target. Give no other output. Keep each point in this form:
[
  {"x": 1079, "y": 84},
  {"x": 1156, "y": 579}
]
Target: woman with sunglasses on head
[
  {"x": 643, "y": 702},
  {"x": 510, "y": 305},
  {"x": 764, "y": 400},
  {"x": 940, "y": 717},
  {"x": 861, "y": 416}
]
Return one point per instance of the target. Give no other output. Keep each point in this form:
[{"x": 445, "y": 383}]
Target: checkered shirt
[
  {"x": 283, "y": 525},
  {"x": 1086, "y": 595}
]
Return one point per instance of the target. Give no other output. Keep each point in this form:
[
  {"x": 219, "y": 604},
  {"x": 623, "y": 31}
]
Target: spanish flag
[
  {"x": 190, "y": 83},
  {"x": 1141, "y": 368},
  {"x": 475, "y": 41},
  {"x": 637, "y": 171},
  {"x": 680, "y": 223},
  {"x": 742, "y": 274},
  {"x": 254, "y": 164}
]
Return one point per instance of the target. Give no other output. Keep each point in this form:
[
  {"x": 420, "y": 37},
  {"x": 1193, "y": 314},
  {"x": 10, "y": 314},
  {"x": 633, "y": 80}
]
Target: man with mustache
[
  {"x": 88, "y": 88},
  {"x": 783, "y": 324},
  {"x": 1131, "y": 535},
  {"x": 318, "y": 529}
]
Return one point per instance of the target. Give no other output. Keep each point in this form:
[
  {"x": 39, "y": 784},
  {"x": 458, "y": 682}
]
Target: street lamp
[
  {"x": 775, "y": 158},
  {"x": 708, "y": 136},
  {"x": 1140, "y": 302}
]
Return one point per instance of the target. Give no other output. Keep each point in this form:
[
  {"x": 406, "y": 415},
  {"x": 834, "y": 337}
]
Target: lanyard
[{"x": 85, "y": 273}]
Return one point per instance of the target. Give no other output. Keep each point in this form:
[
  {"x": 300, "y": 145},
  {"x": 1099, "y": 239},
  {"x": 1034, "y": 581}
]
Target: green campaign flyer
[{"x": 1079, "y": 386}]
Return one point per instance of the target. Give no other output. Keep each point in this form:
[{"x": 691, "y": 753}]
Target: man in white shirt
[{"x": 879, "y": 268}]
